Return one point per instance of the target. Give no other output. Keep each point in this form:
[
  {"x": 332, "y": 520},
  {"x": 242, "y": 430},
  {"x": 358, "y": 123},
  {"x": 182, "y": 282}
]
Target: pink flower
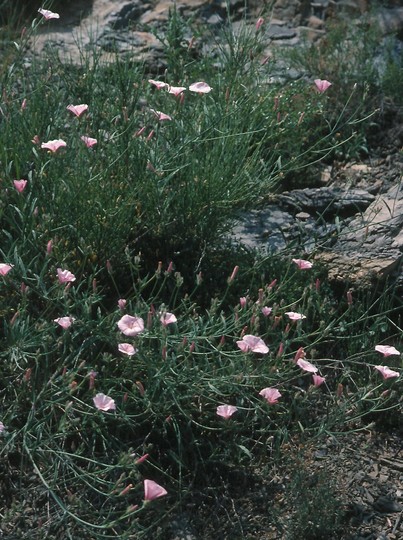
[
  {"x": 160, "y": 115},
  {"x": 122, "y": 303},
  {"x": 20, "y": 185},
  {"x": 5, "y": 268},
  {"x": 200, "y": 87},
  {"x": 387, "y": 350},
  {"x": 302, "y": 264},
  {"x": 48, "y": 14},
  {"x": 242, "y": 301},
  {"x": 168, "y": 318},
  {"x": 295, "y": 316},
  {"x": 64, "y": 322},
  {"x": 322, "y": 85},
  {"x": 104, "y": 403},
  {"x": 131, "y": 326},
  {"x": 126, "y": 348},
  {"x": 271, "y": 395},
  {"x": 259, "y": 23},
  {"x": 77, "y": 110},
  {"x": 152, "y": 490},
  {"x": 176, "y": 90},
  {"x": 158, "y": 84},
  {"x": 49, "y": 247},
  {"x": 266, "y": 311},
  {"x": 306, "y": 366},
  {"x": 54, "y": 145},
  {"x": 318, "y": 380},
  {"x": 387, "y": 373},
  {"x": 253, "y": 343},
  {"x": 35, "y": 139},
  {"x": 88, "y": 141},
  {"x": 226, "y": 411},
  {"x": 65, "y": 276}
]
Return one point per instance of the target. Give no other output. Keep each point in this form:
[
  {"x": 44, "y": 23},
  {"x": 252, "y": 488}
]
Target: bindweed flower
[
  {"x": 200, "y": 87},
  {"x": 64, "y": 276},
  {"x": 387, "y": 350},
  {"x": 77, "y": 110},
  {"x": 243, "y": 301},
  {"x": 295, "y": 316},
  {"x": 5, "y": 268},
  {"x": 386, "y": 372},
  {"x": 35, "y": 139},
  {"x": 64, "y": 322},
  {"x": 158, "y": 84},
  {"x": 127, "y": 348},
  {"x": 104, "y": 403},
  {"x": 53, "y": 146},
  {"x": 20, "y": 185},
  {"x": 253, "y": 343},
  {"x": 168, "y": 318},
  {"x": 49, "y": 247},
  {"x": 92, "y": 376},
  {"x": 271, "y": 395},
  {"x": 226, "y": 411},
  {"x": 176, "y": 90},
  {"x": 306, "y": 366},
  {"x": 160, "y": 115},
  {"x": 122, "y": 303},
  {"x": 266, "y": 311},
  {"x": 47, "y": 14},
  {"x": 302, "y": 264},
  {"x": 322, "y": 85},
  {"x": 131, "y": 326},
  {"x": 259, "y": 23},
  {"x": 152, "y": 490},
  {"x": 318, "y": 380},
  {"x": 88, "y": 141}
]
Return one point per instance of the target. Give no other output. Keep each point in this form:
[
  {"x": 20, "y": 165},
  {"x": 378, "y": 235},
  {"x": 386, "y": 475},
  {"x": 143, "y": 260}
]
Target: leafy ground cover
[{"x": 146, "y": 362}]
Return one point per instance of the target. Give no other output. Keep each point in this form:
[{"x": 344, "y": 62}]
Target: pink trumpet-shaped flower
[
  {"x": 266, "y": 311},
  {"x": 131, "y": 326},
  {"x": 168, "y": 318},
  {"x": 271, "y": 395},
  {"x": 64, "y": 276},
  {"x": 127, "y": 348},
  {"x": 64, "y": 322},
  {"x": 77, "y": 110},
  {"x": 152, "y": 490},
  {"x": 302, "y": 264},
  {"x": 387, "y": 373},
  {"x": 104, "y": 403},
  {"x": 20, "y": 185},
  {"x": 158, "y": 84},
  {"x": 318, "y": 380},
  {"x": 200, "y": 87},
  {"x": 122, "y": 303},
  {"x": 160, "y": 115},
  {"x": 387, "y": 350},
  {"x": 88, "y": 141},
  {"x": 295, "y": 316},
  {"x": 5, "y": 268},
  {"x": 176, "y": 90},
  {"x": 226, "y": 411},
  {"x": 53, "y": 146},
  {"x": 259, "y": 23},
  {"x": 48, "y": 14},
  {"x": 253, "y": 343},
  {"x": 322, "y": 85},
  {"x": 306, "y": 366}
]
